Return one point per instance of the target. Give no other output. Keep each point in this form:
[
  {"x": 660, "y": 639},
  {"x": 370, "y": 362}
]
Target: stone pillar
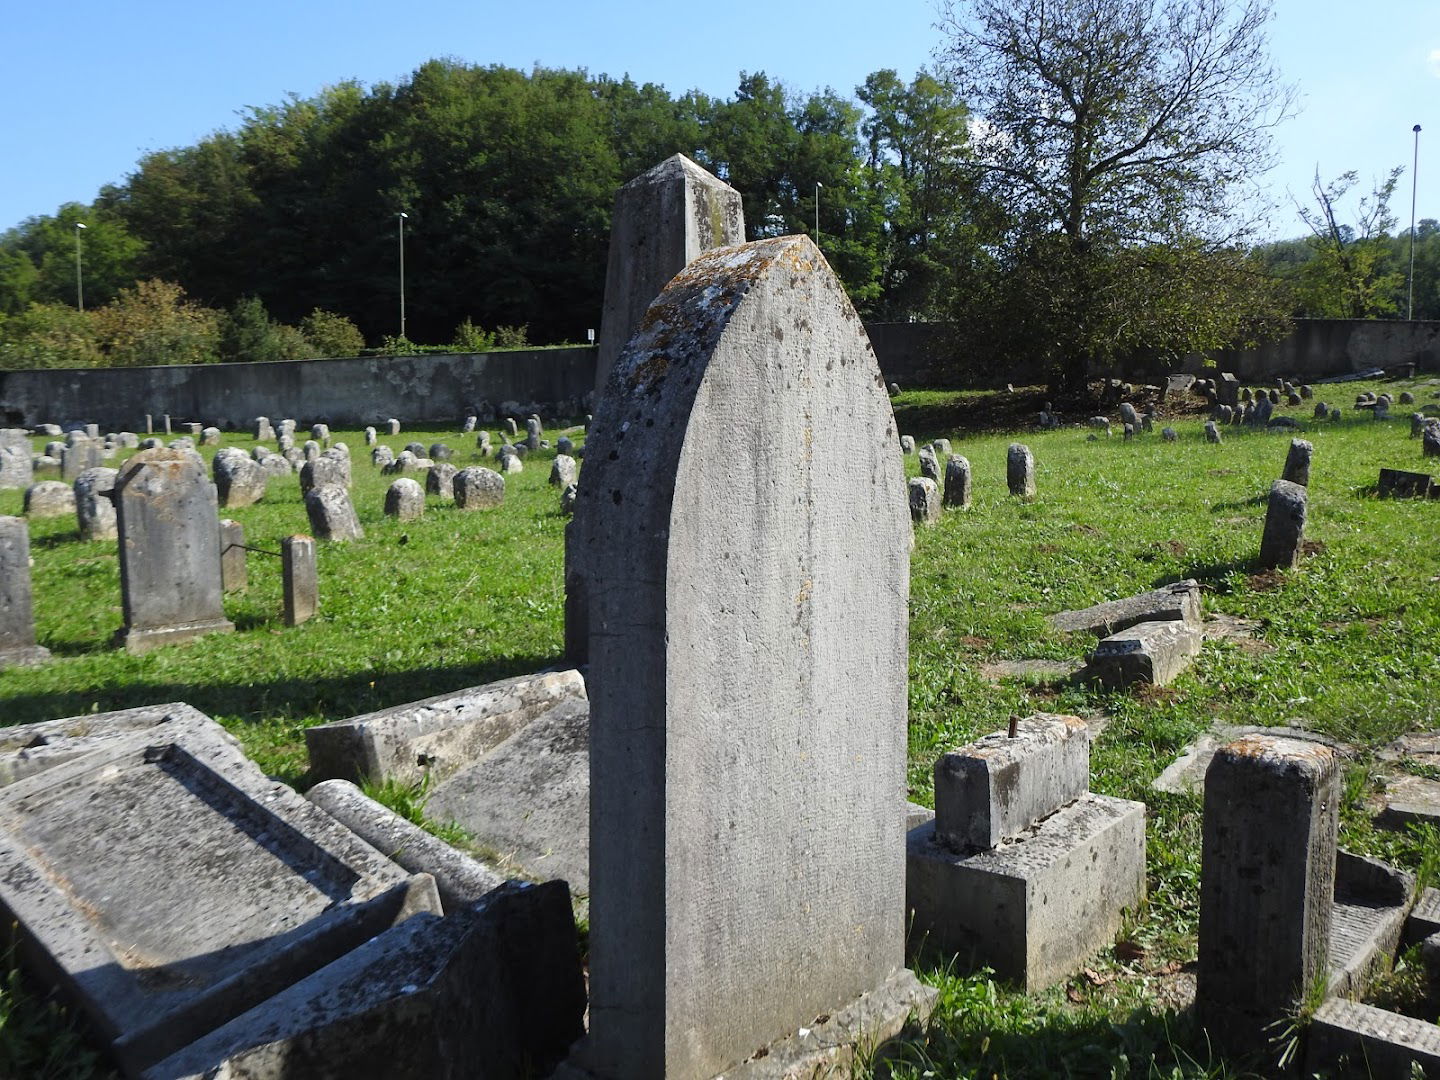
[
  {"x": 924, "y": 500},
  {"x": 1020, "y": 470},
  {"x": 748, "y": 704},
  {"x": 169, "y": 550},
  {"x": 233, "y": 576},
  {"x": 957, "y": 482},
  {"x": 1280, "y": 544},
  {"x": 1297, "y": 462},
  {"x": 301, "y": 580},
  {"x": 1267, "y": 883},
  {"x": 663, "y": 219},
  {"x": 17, "y": 613}
]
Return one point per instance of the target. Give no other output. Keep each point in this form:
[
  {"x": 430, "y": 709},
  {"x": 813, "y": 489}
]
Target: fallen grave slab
[
  {"x": 1424, "y": 919},
  {"x": 1372, "y": 901},
  {"x": 165, "y": 885},
  {"x": 435, "y": 737},
  {"x": 1423, "y": 746},
  {"x": 1187, "y": 772},
  {"x": 1148, "y": 652},
  {"x": 494, "y": 990},
  {"x": 1410, "y": 800},
  {"x": 1347, "y": 1038},
  {"x": 1399, "y": 484},
  {"x": 1180, "y": 600},
  {"x": 28, "y": 749},
  {"x": 529, "y": 797}
]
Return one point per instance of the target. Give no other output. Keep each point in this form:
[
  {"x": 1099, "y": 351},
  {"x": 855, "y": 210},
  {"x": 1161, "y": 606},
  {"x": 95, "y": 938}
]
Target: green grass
[{"x": 1347, "y": 644}]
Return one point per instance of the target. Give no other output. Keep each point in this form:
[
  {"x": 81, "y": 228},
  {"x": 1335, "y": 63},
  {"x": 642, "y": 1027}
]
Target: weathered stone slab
[
  {"x": 1424, "y": 920},
  {"x": 1187, "y": 772},
  {"x": 1297, "y": 462},
  {"x": 1035, "y": 908},
  {"x": 240, "y": 480},
  {"x": 16, "y": 466},
  {"x": 700, "y": 951},
  {"x": 27, "y": 749},
  {"x": 48, "y": 499},
  {"x": 997, "y": 787},
  {"x": 1020, "y": 471},
  {"x": 234, "y": 574},
  {"x": 1399, "y": 484},
  {"x": 440, "y": 480},
  {"x": 459, "y": 879},
  {"x": 437, "y": 736},
  {"x": 1148, "y": 652},
  {"x": 957, "y": 482},
  {"x": 1410, "y": 800},
  {"x": 1350, "y": 1039},
  {"x": 1281, "y": 542},
  {"x": 169, "y": 527},
  {"x": 495, "y": 989},
  {"x": 1367, "y": 920},
  {"x": 405, "y": 500},
  {"x": 479, "y": 488},
  {"x": 300, "y": 579},
  {"x": 663, "y": 219},
  {"x": 94, "y": 508},
  {"x": 924, "y": 500},
  {"x": 529, "y": 797},
  {"x": 17, "y": 615},
  {"x": 1178, "y": 601},
  {"x": 166, "y": 885},
  {"x": 1267, "y": 884},
  {"x": 331, "y": 513}
]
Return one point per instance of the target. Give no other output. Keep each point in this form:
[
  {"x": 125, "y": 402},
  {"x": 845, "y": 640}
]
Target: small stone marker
[
  {"x": 568, "y": 498},
  {"x": 1398, "y": 484},
  {"x": 210, "y": 436},
  {"x": 320, "y": 433},
  {"x": 415, "y": 448},
  {"x": 1148, "y": 652},
  {"x": 1297, "y": 462},
  {"x": 17, "y": 614},
  {"x": 240, "y": 480},
  {"x": 1179, "y": 600},
  {"x": 301, "y": 581},
  {"x": 382, "y": 457},
  {"x": 563, "y": 472},
  {"x": 907, "y": 444},
  {"x": 440, "y": 452},
  {"x": 924, "y": 496},
  {"x": 482, "y": 443},
  {"x": 263, "y": 431},
  {"x": 929, "y": 465},
  {"x": 1168, "y": 434},
  {"x": 49, "y": 498},
  {"x": 405, "y": 500},
  {"x": 324, "y": 470},
  {"x": 331, "y": 514},
  {"x": 84, "y": 454},
  {"x": 440, "y": 480},
  {"x": 169, "y": 551},
  {"x": 94, "y": 509},
  {"x": 662, "y": 219},
  {"x": 392, "y": 426},
  {"x": 957, "y": 482},
  {"x": 509, "y": 460},
  {"x": 478, "y": 488},
  {"x": 1212, "y": 432},
  {"x": 1267, "y": 883},
  {"x": 17, "y": 469},
  {"x": 371, "y": 438},
  {"x": 233, "y": 575},
  {"x": 1282, "y": 541},
  {"x": 532, "y": 434},
  {"x": 1430, "y": 441},
  {"x": 565, "y": 445},
  {"x": 1020, "y": 471},
  {"x": 700, "y": 951}
]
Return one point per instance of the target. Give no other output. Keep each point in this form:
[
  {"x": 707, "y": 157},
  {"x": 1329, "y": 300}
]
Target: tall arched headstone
[
  {"x": 748, "y": 638},
  {"x": 169, "y": 525},
  {"x": 663, "y": 219}
]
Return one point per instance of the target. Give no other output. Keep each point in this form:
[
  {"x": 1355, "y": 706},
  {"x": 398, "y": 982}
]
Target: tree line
[{"x": 1060, "y": 185}]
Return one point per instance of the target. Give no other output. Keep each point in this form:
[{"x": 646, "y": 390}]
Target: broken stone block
[
  {"x": 27, "y": 749},
  {"x": 493, "y": 990},
  {"x": 1148, "y": 652},
  {"x": 459, "y": 879},
  {"x": 1178, "y": 601},
  {"x": 165, "y": 885},
  {"x": 1351, "y": 1039},
  {"x": 1410, "y": 799},
  {"x": 1267, "y": 884},
  {"x": 1399, "y": 484},
  {"x": 1033, "y": 908},
  {"x": 529, "y": 796},
  {"x": 997, "y": 787},
  {"x": 438, "y": 735},
  {"x": 1367, "y": 921}
]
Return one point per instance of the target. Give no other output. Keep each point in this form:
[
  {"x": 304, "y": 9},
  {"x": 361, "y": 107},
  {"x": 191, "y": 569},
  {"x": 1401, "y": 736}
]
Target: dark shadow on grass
[
  {"x": 1213, "y": 575},
  {"x": 1240, "y": 504},
  {"x": 54, "y": 541}
]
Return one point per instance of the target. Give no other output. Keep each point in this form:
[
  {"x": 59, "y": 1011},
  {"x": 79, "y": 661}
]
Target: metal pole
[
  {"x": 400, "y": 220},
  {"x": 818, "y": 186},
  {"x": 1414, "y": 178},
  {"x": 79, "y": 278}
]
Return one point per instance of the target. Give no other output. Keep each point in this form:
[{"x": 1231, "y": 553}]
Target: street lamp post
[
  {"x": 79, "y": 279},
  {"x": 818, "y": 186},
  {"x": 400, "y": 222},
  {"x": 1414, "y": 169}
]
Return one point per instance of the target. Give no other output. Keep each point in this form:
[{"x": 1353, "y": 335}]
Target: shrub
[
  {"x": 153, "y": 323},
  {"x": 48, "y": 336},
  {"x": 329, "y": 334}
]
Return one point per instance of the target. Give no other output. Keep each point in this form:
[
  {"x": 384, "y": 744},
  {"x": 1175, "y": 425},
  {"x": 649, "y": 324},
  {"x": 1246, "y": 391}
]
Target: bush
[
  {"x": 248, "y": 334},
  {"x": 153, "y": 323},
  {"x": 511, "y": 337},
  {"x": 329, "y": 334},
  {"x": 471, "y": 338},
  {"x": 48, "y": 336}
]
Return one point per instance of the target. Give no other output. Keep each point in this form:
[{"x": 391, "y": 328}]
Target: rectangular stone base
[
  {"x": 828, "y": 1048},
  {"x": 24, "y": 656},
  {"x": 1346, "y": 1038},
  {"x": 138, "y": 641},
  {"x": 1031, "y": 909}
]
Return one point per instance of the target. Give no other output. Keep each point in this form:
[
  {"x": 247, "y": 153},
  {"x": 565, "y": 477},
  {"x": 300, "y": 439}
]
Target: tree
[
  {"x": 1105, "y": 125},
  {"x": 1350, "y": 274}
]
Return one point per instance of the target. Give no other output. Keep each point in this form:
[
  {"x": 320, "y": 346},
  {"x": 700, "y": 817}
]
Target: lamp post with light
[
  {"x": 818, "y": 186},
  {"x": 79, "y": 279},
  {"x": 400, "y": 222},
  {"x": 1414, "y": 169}
]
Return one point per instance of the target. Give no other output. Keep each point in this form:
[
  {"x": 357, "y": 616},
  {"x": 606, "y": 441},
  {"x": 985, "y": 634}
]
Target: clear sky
[{"x": 92, "y": 85}]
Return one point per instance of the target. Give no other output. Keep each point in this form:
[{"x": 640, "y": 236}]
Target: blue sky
[{"x": 94, "y": 85}]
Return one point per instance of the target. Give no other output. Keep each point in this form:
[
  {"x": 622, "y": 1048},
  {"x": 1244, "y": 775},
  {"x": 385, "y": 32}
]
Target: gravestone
[
  {"x": 263, "y": 431},
  {"x": 392, "y": 426},
  {"x": 415, "y": 448},
  {"x": 440, "y": 452},
  {"x": 1212, "y": 433},
  {"x": 49, "y": 498},
  {"x": 478, "y": 488},
  {"x": 370, "y": 437},
  {"x": 924, "y": 500},
  {"x": 210, "y": 436},
  {"x": 1430, "y": 441},
  {"x": 405, "y": 500},
  {"x": 300, "y": 579},
  {"x": 240, "y": 480},
  {"x": 509, "y": 459},
  {"x": 532, "y": 434},
  {"x": 1297, "y": 462},
  {"x": 1267, "y": 882},
  {"x": 563, "y": 471},
  {"x": 17, "y": 613},
  {"x": 930, "y": 466},
  {"x": 471, "y": 422},
  {"x": 94, "y": 509},
  {"x": 907, "y": 444},
  {"x": 233, "y": 571},
  {"x": 1020, "y": 470},
  {"x": 568, "y": 497},
  {"x": 662, "y": 220},
  {"x": 1399, "y": 484},
  {"x": 957, "y": 482},
  {"x": 382, "y": 457},
  {"x": 17, "y": 468},
  {"x": 84, "y": 454},
  {"x": 276, "y": 465},
  {"x": 324, "y": 470},
  {"x": 440, "y": 480},
  {"x": 320, "y": 433},
  {"x": 1281, "y": 542},
  {"x": 482, "y": 443},
  {"x": 331, "y": 514},
  {"x": 169, "y": 551},
  {"x": 1168, "y": 434},
  {"x": 702, "y": 948},
  {"x": 565, "y": 445}
]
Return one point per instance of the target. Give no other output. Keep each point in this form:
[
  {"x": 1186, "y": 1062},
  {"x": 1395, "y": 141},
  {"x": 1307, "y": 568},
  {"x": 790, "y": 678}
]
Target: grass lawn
[{"x": 1347, "y": 644}]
